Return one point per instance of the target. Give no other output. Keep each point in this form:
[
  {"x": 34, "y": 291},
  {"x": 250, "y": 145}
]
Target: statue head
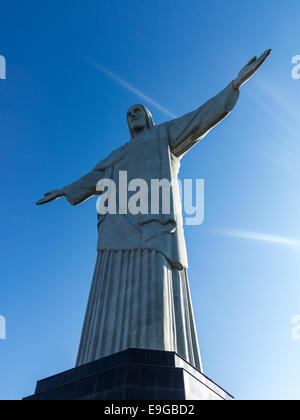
[{"x": 139, "y": 118}]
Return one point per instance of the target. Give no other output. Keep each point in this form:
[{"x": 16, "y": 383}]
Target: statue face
[{"x": 136, "y": 118}]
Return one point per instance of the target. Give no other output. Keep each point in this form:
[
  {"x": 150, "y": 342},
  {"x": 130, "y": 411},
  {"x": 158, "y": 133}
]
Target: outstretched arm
[
  {"x": 77, "y": 192},
  {"x": 188, "y": 130},
  {"x": 86, "y": 186}
]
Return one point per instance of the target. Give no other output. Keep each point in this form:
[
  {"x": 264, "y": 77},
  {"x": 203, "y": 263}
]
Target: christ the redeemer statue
[{"x": 140, "y": 295}]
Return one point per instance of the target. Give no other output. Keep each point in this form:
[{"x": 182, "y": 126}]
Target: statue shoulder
[{"x": 113, "y": 157}]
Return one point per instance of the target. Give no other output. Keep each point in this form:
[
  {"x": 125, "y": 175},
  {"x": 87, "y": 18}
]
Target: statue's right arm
[
  {"x": 85, "y": 188},
  {"x": 77, "y": 192}
]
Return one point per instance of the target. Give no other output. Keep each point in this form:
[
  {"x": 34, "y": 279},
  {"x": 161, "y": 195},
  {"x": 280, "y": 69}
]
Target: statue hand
[
  {"x": 50, "y": 196},
  {"x": 249, "y": 69}
]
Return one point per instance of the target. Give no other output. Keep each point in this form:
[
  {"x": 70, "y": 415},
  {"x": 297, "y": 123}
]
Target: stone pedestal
[{"x": 132, "y": 374}]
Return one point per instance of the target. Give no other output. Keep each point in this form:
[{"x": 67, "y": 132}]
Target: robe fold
[{"x": 142, "y": 261}]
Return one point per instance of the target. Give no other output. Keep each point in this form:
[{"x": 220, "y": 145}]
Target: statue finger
[
  {"x": 251, "y": 61},
  {"x": 42, "y": 201},
  {"x": 263, "y": 57}
]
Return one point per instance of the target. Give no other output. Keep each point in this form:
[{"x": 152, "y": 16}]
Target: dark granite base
[{"x": 133, "y": 374}]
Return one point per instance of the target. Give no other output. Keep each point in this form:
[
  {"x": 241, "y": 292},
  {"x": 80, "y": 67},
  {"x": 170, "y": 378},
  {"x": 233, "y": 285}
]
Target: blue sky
[{"x": 61, "y": 113}]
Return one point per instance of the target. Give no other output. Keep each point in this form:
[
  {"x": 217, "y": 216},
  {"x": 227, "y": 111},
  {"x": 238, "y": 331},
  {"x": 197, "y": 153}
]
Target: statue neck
[{"x": 139, "y": 130}]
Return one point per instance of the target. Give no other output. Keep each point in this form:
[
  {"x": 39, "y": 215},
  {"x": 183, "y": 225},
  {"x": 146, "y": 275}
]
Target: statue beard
[{"x": 137, "y": 126}]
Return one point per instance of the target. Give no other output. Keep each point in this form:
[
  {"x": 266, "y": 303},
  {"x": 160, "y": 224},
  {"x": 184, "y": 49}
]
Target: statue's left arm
[{"x": 188, "y": 130}]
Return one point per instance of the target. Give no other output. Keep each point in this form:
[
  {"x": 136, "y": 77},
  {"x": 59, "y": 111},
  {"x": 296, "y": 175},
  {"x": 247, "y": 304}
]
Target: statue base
[{"x": 132, "y": 374}]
